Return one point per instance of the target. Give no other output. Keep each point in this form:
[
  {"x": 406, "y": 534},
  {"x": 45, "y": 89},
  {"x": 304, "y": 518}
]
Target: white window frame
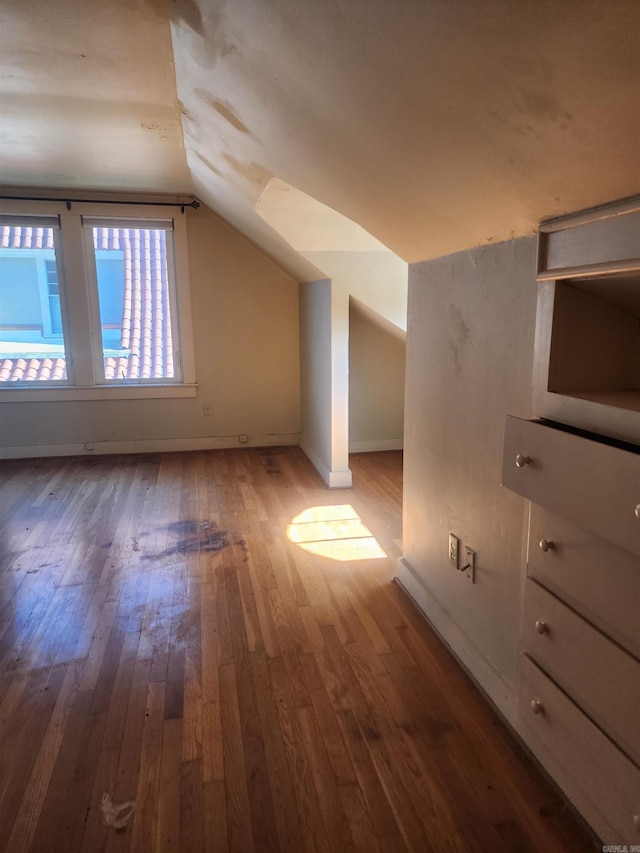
[
  {"x": 79, "y": 304},
  {"x": 43, "y": 286},
  {"x": 166, "y": 225}
]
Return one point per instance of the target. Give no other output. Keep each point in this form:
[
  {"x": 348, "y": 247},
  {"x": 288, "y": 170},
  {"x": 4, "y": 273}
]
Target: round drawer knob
[
  {"x": 522, "y": 460},
  {"x": 542, "y": 627},
  {"x": 537, "y": 707},
  {"x": 637, "y": 511},
  {"x": 546, "y": 545}
]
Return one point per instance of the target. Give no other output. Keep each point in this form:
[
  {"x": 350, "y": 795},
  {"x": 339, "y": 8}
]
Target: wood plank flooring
[{"x": 163, "y": 642}]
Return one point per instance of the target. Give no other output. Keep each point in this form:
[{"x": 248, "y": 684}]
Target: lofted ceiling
[
  {"x": 436, "y": 125},
  {"x": 310, "y": 226}
]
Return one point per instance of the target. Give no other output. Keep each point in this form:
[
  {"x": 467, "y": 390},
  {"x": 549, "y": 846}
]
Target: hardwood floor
[{"x": 164, "y": 642}]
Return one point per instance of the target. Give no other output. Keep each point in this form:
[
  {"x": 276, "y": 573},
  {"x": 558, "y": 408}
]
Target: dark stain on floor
[
  {"x": 192, "y": 537},
  {"x": 271, "y": 464}
]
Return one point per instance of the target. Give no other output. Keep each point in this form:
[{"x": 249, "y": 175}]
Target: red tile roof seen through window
[{"x": 146, "y": 319}]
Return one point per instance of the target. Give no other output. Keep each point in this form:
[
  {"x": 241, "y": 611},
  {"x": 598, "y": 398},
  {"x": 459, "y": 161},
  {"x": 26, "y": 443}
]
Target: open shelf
[
  {"x": 587, "y": 360},
  {"x": 595, "y": 340},
  {"x": 587, "y": 347}
]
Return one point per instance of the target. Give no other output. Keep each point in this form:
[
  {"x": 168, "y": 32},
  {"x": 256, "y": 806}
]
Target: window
[
  {"x": 132, "y": 266},
  {"x": 90, "y": 302},
  {"x": 32, "y": 346}
]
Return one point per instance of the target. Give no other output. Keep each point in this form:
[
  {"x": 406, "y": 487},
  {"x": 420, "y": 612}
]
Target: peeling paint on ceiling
[
  {"x": 226, "y": 111},
  {"x": 434, "y": 125}
]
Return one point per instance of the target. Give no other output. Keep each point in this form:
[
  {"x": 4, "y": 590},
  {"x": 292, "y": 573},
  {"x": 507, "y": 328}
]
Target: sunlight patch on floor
[{"x": 336, "y": 532}]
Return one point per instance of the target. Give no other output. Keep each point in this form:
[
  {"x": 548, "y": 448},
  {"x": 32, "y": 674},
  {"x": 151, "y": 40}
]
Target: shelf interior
[{"x": 595, "y": 340}]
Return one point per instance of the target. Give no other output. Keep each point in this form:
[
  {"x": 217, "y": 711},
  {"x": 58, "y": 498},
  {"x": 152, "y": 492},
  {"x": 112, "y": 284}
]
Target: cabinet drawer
[
  {"x": 600, "y": 677},
  {"x": 590, "y": 574},
  {"x": 598, "y": 769},
  {"x": 592, "y": 484}
]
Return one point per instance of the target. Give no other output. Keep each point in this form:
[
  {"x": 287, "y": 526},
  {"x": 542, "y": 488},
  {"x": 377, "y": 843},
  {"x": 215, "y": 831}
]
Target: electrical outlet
[
  {"x": 470, "y": 563},
  {"x": 454, "y": 550},
  {"x": 207, "y": 410},
  {"x": 243, "y": 439}
]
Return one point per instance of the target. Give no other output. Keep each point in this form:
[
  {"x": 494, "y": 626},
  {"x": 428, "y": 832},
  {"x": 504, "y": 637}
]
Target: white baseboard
[
  {"x": 340, "y": 479},
  {"x": 375, "y": 444},
  {"x": 152, "y": 445},
  {"x": 483, "y": 673}
]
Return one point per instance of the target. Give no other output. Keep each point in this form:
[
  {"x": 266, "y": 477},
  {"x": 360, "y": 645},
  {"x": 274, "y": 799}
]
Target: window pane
[
  {"x": 134, "y": 303},
  {"x": 32, "y": 347}
]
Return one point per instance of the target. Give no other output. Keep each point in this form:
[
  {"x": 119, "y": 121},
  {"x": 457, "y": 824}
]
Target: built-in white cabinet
[
  {"x": 578, "y": 464},
  {"x": 590, "y": 482},
  {"x": 587, "y": 345},
  {"x": 600, "y": 779},
  {"x": 579, "y": 683},
  {"x": 598, "y": 675},
  {"x": 592, "y": 576}
]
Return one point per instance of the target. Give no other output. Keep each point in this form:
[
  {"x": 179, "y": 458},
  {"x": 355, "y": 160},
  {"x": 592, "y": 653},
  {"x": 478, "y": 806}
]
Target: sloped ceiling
[
  {"x": 435, "y": 124},
  {"x": 310, "y": 226}
]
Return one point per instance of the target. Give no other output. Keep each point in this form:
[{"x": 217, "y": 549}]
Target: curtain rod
[{"x": 195, "y": 204}]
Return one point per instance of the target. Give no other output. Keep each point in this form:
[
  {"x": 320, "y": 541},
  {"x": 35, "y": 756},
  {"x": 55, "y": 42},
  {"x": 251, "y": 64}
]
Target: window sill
[{"x": 50, "y": 394}]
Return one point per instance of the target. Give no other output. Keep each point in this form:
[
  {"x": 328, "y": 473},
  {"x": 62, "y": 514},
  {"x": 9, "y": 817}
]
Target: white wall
[
  {"x": 324, "y": 420},
  {"x": 379, "y": 281},
  {"x": 376, "y": 383},
  {"x": 245, "y": 323},
  {"x": 469, "y": 363},
  {"x": 315, "y": 372}
]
